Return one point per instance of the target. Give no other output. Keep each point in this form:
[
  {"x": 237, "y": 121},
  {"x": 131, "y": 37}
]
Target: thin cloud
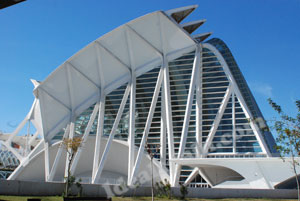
[{"x": 262, "y": 89}]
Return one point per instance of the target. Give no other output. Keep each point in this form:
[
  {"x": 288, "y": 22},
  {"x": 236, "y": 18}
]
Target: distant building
[{"x": 150, "y": 83}]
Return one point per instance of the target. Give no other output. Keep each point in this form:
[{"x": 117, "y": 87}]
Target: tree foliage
[
  {"x": 288, "y": 130},
  {"x": 288, "y": 139},
  {"x": 71, "y": 145}
]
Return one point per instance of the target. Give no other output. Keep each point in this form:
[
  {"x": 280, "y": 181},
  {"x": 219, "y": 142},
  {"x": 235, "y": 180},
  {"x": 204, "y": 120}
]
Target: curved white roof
[{"x": 105, "y": 64}]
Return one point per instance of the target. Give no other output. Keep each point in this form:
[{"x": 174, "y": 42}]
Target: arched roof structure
[{"x": 107, "y": 63}]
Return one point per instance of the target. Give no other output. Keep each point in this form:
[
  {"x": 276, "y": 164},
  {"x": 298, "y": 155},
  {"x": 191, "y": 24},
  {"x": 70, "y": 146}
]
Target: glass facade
[
  {"x": 234, "y": 136},
  {"x": 8, "y": 162}
]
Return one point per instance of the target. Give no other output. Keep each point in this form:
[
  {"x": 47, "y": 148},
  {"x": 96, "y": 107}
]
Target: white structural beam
[
  {"x": 99, "y": 134},
  {"x": 132, "y": 110},
  {"x": 189, "y": 104},
  {"x": 58, "y": 156},
  {"x": 199, "y": 106},
  {"x": 217, "y": 120},
  {"x": 192, "y": 176},
  {"x": 144, "y": 40},
  {"x": 83, "y": 75},
  {"x": 187, "y": 115},
  {"x": 176, "y": 175},
  {"x": 101, "y": 103},
  {"x": 47, "y": 160},
  {"x": 84, "y": 138},
  {"x": 168, "y": 115},
  {"x": 112, "y": 134},
  {"x": 233, "y": 124},
  {"x": 17, "y": 130},
  {"x": 163, "y": 130},
  {"x": 55, "y": 99},
  {"x": 131, "y": 138},
  {"x": 32, "y": 138},
  {"x": 22, "y": 124},
  {"x": 253, "y": 126},
  {"x": 99, "y": 45},
  {"x": 147, "y": 126}
]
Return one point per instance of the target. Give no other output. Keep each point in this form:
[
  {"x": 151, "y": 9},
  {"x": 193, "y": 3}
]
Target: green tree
[
  {"x": 71, "y": 145},
  {"x": 288, "y": 139}
]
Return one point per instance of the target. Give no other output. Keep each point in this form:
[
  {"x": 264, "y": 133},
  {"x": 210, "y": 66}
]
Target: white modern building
[{"x": 151, "y": 84}]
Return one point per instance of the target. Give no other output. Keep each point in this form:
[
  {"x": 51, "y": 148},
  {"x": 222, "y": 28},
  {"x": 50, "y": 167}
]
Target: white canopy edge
[
  {"x": 105, "y": 65},
  {"x": 178, "y": 14},
  {"x": 201, "y": 37},
  {"x": 190, "y": 27}
]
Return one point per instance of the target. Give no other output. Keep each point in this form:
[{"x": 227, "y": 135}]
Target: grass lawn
[
  {"x": 57, "y": 198},
  {"x": 194, "y": 199},
  {"x": 24, "y": 198}
]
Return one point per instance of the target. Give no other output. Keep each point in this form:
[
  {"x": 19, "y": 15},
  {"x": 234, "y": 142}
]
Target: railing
[
  {"x": 198, "y": 185},
  {"x": 236, "y": 155}
]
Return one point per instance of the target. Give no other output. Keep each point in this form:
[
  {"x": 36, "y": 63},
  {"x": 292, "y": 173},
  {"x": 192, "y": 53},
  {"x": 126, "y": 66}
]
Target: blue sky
[{"x": 37, "y": 36}]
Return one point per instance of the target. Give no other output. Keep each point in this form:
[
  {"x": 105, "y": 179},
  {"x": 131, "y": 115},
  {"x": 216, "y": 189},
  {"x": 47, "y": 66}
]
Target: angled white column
[
  {"x": 217, "y": 120},
  {"x": 58, "y": 156},
  {"x": 17, "y": 130},
  {"x": 199, "y": 106},
  {"x": 84, "y": 138},
  {"x": 176, "y": 175},
  {"x": 253, "y": 126},
  {"x": 131, "y": 137},
  {"x": 47, "y": 162},
  {"x": 187, "y": 115},
  {"x": 163, "y": 131},
  {"x": 98, "y": 46},
  {"x": 31, "y": 140},
  {"x": 99, "y": 134},
  {"x": 147, "y": 126},
  {"x": 233, "y": 124},
  {"x": 22, "y": 124},
  {"x": 189, "y": 104},
  {"x": 192, "y": 176},
  {"x": 168, "y": 115},
  {"x": 112, "y": 134}
]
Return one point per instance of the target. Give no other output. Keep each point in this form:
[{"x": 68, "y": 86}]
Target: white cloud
[{"x": 262, "y": 89}]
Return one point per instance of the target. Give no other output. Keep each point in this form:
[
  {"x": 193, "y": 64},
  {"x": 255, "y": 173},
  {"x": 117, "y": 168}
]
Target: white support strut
[
  {"x": 58, "y": 156},
  {"x": 217, "y": 120},
  {"x": 148, "y": 124},
  {"x": 199, "y": 106},
  {"x": 111, "y": 136},
  {"x": 98, "y": 134},
  {"x": 84, "y": 138}
]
